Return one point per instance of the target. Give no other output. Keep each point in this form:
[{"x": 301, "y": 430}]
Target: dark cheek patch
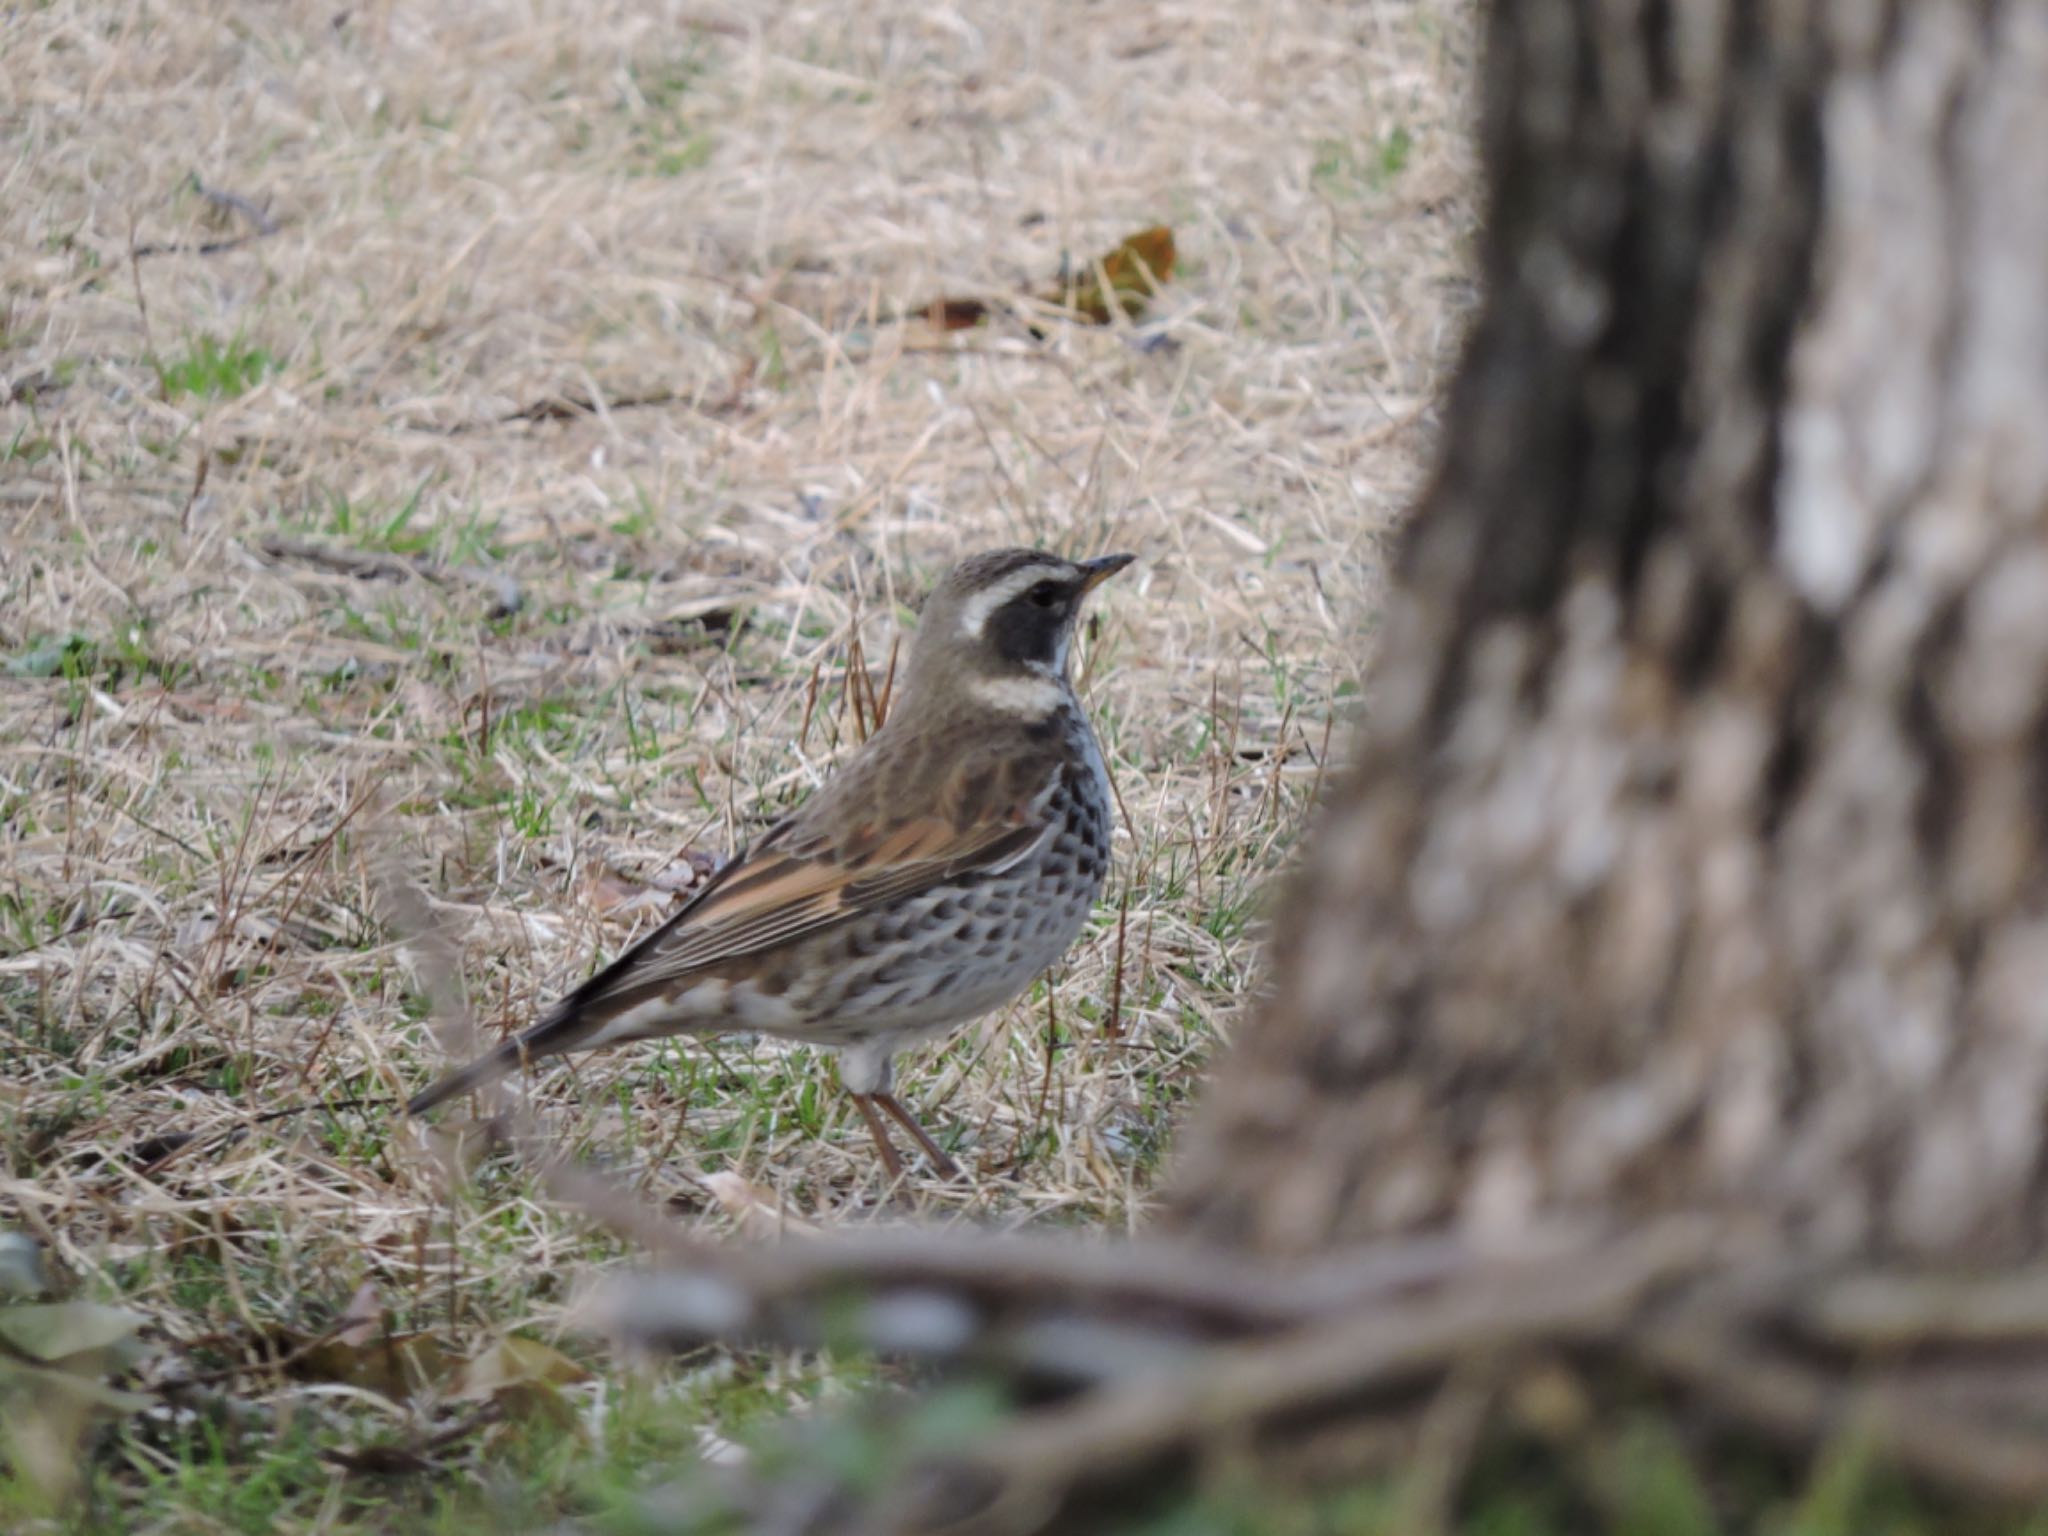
[{"x": 1022, "y": 631}]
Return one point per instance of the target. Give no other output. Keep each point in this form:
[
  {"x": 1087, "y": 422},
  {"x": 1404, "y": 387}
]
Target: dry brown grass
[{"x": 206, "y": 731}]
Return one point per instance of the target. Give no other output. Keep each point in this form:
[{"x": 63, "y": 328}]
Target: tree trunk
[
  {"x": 1689, "y": 866},
  {"x": 1692, "y": 855}
]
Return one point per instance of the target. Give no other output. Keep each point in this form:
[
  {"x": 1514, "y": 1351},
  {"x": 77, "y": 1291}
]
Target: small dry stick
[
  {"x": 1113, "y": 1028},
  {"x": 198, "y": 475},
  {"x": 1052, "y": 1044},
  {"x": 803, "y": 735},
  {"x": 888, "y": 684},
  {"x": 135, "y": 255}
]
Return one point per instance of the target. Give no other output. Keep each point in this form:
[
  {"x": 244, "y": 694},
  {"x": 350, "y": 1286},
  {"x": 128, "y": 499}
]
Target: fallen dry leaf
[
  {"x": 523, "y": 1378},
  {"x": 397, "y": 1365},
  {"x": 955, "y": 314},
  {"x": 516, "y": 1362},
  {"x": 613, "y": 894},
  {"x": 1131, "y": 273},
  {"x": 1123, "y": 279},
  {"x": 361, "y": 1351}
]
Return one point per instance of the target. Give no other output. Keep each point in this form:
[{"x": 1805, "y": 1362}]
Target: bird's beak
[{"x": 1095, "y": 572}]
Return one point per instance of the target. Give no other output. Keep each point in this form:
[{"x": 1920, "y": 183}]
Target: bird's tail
[
  {"x": 569, "y": 1024},
  {"x": 487, "y": 1068}
]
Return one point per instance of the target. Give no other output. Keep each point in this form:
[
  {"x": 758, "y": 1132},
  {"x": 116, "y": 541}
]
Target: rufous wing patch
[{"x": 788, "y": 893}]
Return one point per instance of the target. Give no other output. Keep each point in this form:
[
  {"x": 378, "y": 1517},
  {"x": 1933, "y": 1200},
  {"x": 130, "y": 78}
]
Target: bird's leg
[
  {"x": 947, "y": 1168},
  {"x": 864, "y": 1102}
]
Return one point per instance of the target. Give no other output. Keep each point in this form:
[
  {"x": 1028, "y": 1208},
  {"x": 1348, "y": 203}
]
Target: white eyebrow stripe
[{"x": 975, "y": 611}]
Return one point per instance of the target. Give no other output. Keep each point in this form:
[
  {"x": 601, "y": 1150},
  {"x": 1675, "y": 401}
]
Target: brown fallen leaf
[
  {"x": 1123, "y": 278},
  {"x": 522, "y": 1377},
  {"x": 361, "y": 1351},
  {"x": 397, "y": 1365},
  {"x": 514, "y": 1362},
  {"x": 955, "y": 314},
  {"x": 1130, "y": 274},
  {"x": 615, "y": 895}
]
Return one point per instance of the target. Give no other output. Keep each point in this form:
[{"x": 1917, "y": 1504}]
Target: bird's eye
[{"x": 1045, "y": 594}]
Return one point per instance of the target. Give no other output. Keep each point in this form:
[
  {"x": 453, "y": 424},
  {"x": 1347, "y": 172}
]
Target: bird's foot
[{"x": 867, "y": 1103}]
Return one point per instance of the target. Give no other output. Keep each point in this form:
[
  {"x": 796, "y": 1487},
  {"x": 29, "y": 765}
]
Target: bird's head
[{"x": 1001, "y": 621}]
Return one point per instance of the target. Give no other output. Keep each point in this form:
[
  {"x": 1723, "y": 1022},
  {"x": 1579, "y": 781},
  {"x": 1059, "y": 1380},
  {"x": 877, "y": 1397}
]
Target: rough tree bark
[{"x": 1693, "y": 852}]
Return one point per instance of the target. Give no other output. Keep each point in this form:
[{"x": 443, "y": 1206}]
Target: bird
[{"x": 953, "y": 858}]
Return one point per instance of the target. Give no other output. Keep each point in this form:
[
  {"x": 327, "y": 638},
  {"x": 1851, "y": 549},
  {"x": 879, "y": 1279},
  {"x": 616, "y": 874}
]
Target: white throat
[{"x": 1029, "y": 695}]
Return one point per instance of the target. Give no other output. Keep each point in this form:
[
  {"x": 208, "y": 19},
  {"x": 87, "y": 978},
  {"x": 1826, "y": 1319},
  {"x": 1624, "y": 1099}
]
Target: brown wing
[
  {"x": 867, "y": 839},
  {"x": 784, "y": 890}
]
